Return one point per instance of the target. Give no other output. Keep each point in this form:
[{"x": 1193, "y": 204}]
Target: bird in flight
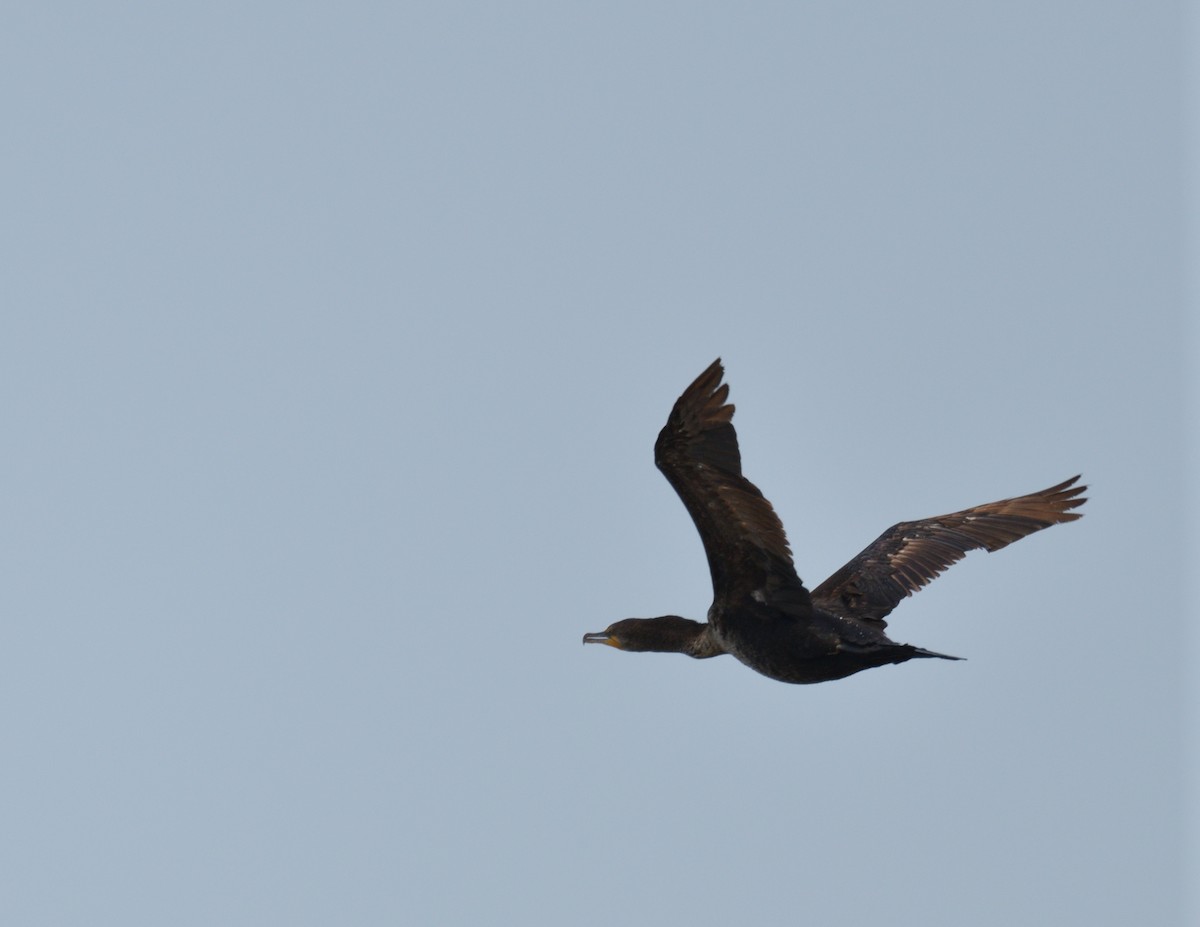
[{"x": 761, "y": 611}]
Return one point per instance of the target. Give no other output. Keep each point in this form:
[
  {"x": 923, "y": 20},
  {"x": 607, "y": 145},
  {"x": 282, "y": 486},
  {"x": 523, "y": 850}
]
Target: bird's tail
[{"x": 922, "y": 652}]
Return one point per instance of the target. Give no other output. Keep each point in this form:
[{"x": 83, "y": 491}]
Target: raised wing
[
  {"x": 697, "y": 451},
  {"x": 911, "y": 554}
]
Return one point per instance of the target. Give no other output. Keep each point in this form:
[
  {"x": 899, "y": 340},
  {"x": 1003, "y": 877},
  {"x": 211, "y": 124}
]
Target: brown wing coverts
[
  {"x": 697, "y": 451},
  {"x": 911, "y": 554}
]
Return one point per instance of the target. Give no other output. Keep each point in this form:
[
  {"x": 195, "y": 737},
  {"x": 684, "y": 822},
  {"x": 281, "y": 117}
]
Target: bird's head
[{"x": 667, "y": 634}]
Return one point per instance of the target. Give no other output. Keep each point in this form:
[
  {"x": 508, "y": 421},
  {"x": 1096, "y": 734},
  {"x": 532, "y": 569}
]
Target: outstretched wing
[
  {"x": 911, "y": 554},
  {"x": 697, "y": 451}
]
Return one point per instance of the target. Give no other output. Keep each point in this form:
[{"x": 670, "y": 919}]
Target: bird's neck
[{"x": 673, "y": 634}]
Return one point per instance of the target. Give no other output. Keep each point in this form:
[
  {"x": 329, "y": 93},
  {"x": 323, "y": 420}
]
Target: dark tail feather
[{"x": 922, "y": 652}]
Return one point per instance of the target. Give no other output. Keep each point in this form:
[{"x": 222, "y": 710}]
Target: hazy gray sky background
[{"x": 335, "y": 341}]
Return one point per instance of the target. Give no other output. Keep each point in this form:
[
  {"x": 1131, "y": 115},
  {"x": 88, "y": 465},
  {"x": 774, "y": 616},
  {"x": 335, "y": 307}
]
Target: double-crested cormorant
[{"x": 761, "y": 611}]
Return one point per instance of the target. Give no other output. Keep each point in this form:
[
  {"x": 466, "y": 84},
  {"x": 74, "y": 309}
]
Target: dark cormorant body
[{"x": 761, "y": 611}]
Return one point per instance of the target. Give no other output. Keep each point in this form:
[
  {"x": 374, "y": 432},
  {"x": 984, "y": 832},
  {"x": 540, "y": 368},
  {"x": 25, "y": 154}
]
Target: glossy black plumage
[{"x": 761, "y": 612}]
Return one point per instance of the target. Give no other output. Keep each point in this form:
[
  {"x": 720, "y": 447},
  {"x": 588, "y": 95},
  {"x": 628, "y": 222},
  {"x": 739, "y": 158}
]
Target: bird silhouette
[{"x": 761, "y": 611}]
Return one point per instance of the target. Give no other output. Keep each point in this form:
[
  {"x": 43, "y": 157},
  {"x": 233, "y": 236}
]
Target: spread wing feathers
[
  {"x": 697, "y": 451},
  {"x": 911, "y": 554}
]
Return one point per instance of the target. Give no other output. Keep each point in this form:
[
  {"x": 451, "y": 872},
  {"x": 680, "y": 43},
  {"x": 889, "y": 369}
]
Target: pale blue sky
[{"x": 335, "y": 341}]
